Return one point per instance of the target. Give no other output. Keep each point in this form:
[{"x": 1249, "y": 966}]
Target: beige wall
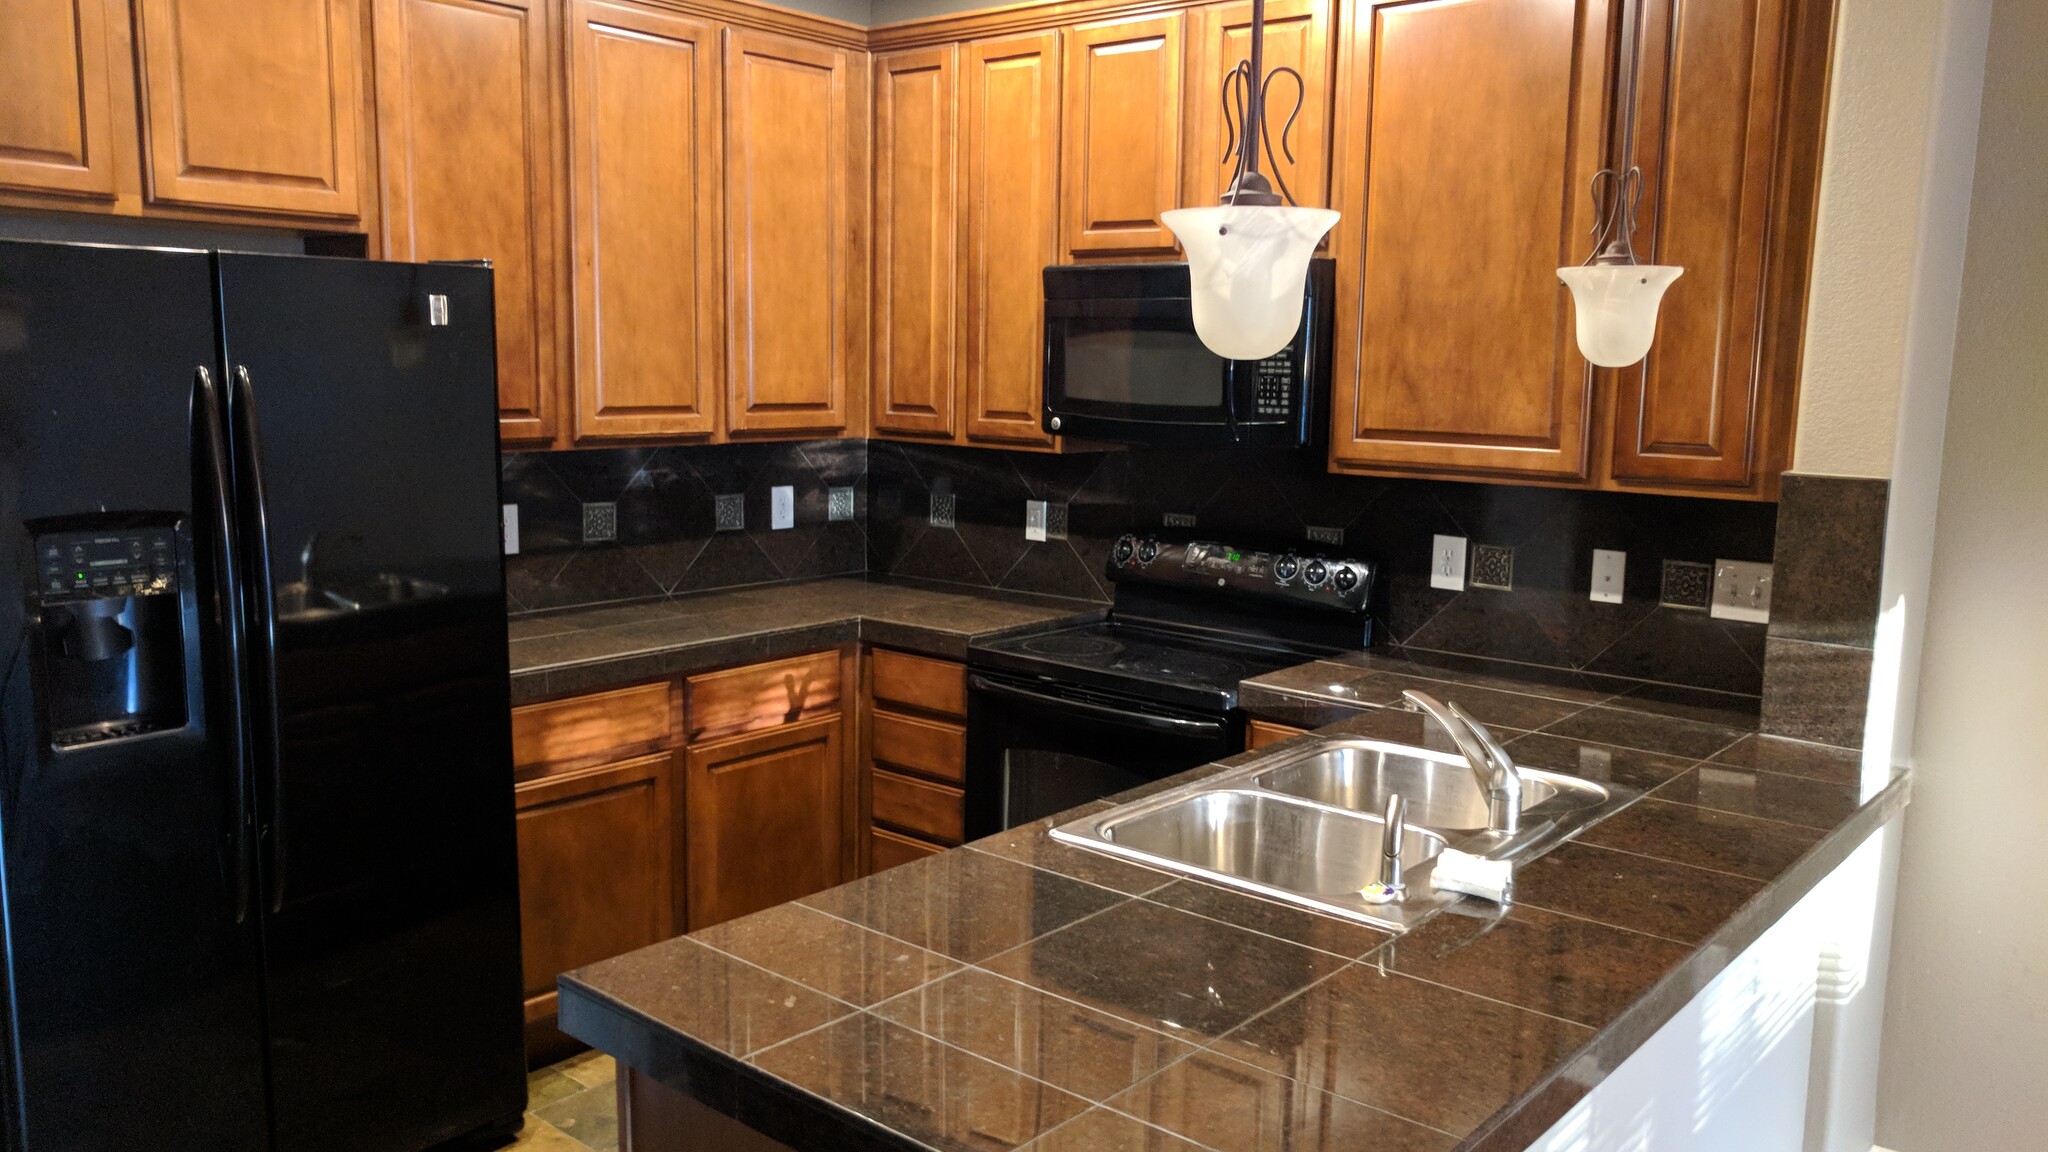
[{"x": 1966, "y": 1040}]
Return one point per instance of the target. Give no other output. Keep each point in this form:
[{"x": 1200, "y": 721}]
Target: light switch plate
[
  {"x": 1742, "y": 591},
  {"x": 511, "y": 529},
  {"x": 600, "y": 522},
  {"x": 1610, "y": 575},
  {"x": 1034, "y": 520},
  {"x": 838, "y": 504},
  {"x": 781, "y": 507},
  {"x": 1447, "y": 563},
  {"x": 729, "y": 513}
]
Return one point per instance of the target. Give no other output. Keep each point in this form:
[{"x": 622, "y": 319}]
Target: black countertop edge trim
[
  {"x": 1518, "y": 1125},
  {"x": 708, "y": 643},
  {"x": 764, "y": 1102}
]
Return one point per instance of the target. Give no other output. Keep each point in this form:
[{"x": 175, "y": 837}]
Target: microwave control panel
[{"x": 1274, "y": 381}]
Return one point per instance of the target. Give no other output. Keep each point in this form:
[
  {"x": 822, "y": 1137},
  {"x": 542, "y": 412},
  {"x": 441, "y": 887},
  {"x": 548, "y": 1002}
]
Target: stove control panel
[{"x": 1344, "y": 584}]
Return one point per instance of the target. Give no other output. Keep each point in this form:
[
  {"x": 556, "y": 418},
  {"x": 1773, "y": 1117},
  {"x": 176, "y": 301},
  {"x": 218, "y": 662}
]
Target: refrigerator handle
[
  {"x": 213, "y": 476},
  {"x": 259, "y": 594}
]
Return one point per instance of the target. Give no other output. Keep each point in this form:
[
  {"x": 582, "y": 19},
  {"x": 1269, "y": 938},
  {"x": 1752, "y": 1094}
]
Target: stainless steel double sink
[{"x": 1304, "y": 824}]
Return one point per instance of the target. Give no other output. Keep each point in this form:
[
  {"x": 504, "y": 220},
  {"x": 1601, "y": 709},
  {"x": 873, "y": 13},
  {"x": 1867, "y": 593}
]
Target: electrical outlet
[
  {"x": 838, "y": 504},
  {"x": 1178, "y": 520},
  {"x": 1687, "y": 584},
  {"x": 1610, "y": 574},
  {"x": 1493, "y": 566},
  {"x": 941, "y": 510},
  {"x": 1742, "y": 591},
  {"x": 1034, "y": 520},
  {"x": 1447, "y": 563},
  {"x": 781, "y": 507},
  {"x": 600, "y": 523},
  {"x": 1056, "y": 521},
  {"x": 511, "y": 529},
  {"x": 1326, "y": 536},
  {"x": 730, "y": 513}
]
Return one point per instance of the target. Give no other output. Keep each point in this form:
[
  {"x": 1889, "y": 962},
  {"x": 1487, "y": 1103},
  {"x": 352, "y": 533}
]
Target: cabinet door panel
[
  {"x": 792, "y": 242},
  {"x": 253, "y": 106},
  {"x": 1455, "y": 349},
  {"x": 464, "y": 117},
  {"x": 1121, "y": 137},
  {"x": 916, "y": 219},
  {"x": 644, "y": 137},
  {"x": 1010, "y": 156},
  {"x": 56, "y": 120},
  {"x": 596, "y": 868},
  {"x": 764, "y": 819},
  {"x": 1689, "y": 412},
  {"x": 1297, "y": 37}
]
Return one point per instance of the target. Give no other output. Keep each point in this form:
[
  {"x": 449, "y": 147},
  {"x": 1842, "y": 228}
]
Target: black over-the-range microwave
[{"x": 1122, "y": 362}]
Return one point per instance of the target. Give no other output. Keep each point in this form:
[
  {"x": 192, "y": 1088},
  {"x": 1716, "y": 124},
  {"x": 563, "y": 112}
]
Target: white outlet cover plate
[
  {"x": 1034, "y": 520},
  {"x": 1610, "y": 573},
  {"x": 1447, "y": 563},
  {"x": 781, "y": 507},
  {"x": 1742, "y": 591},
  {"x": 511, "y": 529}
]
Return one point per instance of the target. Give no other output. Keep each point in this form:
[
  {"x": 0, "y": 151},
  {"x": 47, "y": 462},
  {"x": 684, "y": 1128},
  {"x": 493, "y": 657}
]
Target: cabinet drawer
[
  {"x": 920, "y": 806},
  {"x": 927, "y": 747},
  {"x": 887, "y": 849},
  {"x": 761, "y": 696},
  {"x": 916, "y": 682},
  {"x": 587, "y": 729}
]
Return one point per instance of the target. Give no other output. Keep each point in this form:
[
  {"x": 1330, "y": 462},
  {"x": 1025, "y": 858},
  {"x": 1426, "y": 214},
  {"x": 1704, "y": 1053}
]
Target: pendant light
[
  {"x": 1614, "y": 296},
  {"x": 1248, "y": 256}
]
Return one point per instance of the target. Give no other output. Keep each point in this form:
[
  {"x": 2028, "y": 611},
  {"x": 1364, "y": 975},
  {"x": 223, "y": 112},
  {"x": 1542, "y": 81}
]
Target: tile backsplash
[{"x": 1537, "y": 541}]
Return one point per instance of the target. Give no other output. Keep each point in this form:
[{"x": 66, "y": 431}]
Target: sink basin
[
  {"x": 1441, "y": 790},
  {"x": 1271, "y": 840}
]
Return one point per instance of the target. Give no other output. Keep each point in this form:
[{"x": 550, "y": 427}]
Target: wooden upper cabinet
[
  {"x": 644, "y": 196},
  {"x": 253, "y": 106},
  {"x": 1455, "y": 349},
  {"x": 793, "y": 239},
  {"x": 1010, "y": 163},
  {"x": 465, "y": 123},
  {"x": 916, "y": 242},
  {"x": 1708, "y": 125},
  {"x": 1297, "y": 37},
  {"x": 56, "y": 117},
  {"x": 1121, "y": 136}
]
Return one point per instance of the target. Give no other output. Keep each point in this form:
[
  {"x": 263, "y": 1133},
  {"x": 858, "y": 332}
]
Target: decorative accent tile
[
  {"x": 1687, "y": 584},
  {"x": 839, "y": 504},
  {"x": 730, "y": 513},
  {"x": 941, "y": 514},
  {"x": 1493, "y": 567},
  {"x": 600, "y": 522}
]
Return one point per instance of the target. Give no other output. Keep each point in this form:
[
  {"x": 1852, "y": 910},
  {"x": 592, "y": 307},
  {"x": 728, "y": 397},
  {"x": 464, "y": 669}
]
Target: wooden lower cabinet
[
  {"x": 914, "y": 758},
  {"x": 597, "y": 874},
  {"x": 1259, "y": 733},
  {"x": 763, "y": 819}
]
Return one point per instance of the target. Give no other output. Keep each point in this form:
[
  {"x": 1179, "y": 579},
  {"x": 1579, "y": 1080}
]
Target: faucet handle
[{"x": 1495, "y": 753}]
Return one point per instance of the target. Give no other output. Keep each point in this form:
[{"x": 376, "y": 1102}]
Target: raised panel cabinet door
[
  {"x": 1469, "y": 134},
  {"x": 644, "y": 195},
  {"x": 56, "y": 117},
  {"x": 1121, "y": 135},
  {"x": 597, "y": 870},
  {"x": 1010, "y": 163},
  {"x": 253, "y": 106},
  {"x": 791, "y": 238},
  {"x": 466, "y": 129},
  {"x": 917, "y": 211},
  {"x": 1707, "y": 129},
  {"x": 764, "y": 819},
  {"x": 1297, "y": 37}
]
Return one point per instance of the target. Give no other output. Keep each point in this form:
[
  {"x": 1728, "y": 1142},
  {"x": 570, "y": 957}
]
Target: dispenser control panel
[{"x": 106, "y": 565}]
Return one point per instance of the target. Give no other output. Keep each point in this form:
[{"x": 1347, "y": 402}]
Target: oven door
[{"x": 1036, "y": 748}]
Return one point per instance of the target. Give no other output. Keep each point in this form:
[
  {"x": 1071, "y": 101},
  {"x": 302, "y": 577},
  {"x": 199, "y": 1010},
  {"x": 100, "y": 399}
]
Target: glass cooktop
[{"x": 1150, "y": 663}]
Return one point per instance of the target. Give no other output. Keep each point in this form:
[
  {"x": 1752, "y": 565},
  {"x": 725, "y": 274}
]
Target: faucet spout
[{"x": 1491, "y": 766}]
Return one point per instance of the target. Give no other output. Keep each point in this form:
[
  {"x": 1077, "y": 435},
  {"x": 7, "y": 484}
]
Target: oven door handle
[{"x": 1175, "y": 724}]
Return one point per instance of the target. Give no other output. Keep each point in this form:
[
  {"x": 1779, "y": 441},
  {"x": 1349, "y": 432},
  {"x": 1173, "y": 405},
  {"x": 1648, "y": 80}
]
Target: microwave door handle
[{"x": 1174, "y": 724}]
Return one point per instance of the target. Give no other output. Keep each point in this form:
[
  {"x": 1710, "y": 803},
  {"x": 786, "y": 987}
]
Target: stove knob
[
  {"x": 1148, "y": 551},
  {"x": 1124, "y": 547},
  {"x": 1287, "y": 567},
  {"x": 1346, "y": 578},
  {"x": 1317, "y": 573}
]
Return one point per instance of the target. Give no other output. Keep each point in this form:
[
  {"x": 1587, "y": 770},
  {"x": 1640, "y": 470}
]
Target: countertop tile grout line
[
  {"x": 1678, "y": 863},
  {"x": 1377, "y": 945},
  {"x": 1584, "y": 919},
  {"x": 1593, "y": 1029},
  {"x": 1652, "y": 794}
]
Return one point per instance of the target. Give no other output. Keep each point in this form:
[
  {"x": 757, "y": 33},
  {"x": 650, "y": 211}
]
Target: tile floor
[{"x": 571, "y": 1107}]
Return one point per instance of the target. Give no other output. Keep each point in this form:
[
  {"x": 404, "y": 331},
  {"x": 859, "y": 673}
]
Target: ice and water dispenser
[{"x": 113, "y": 636}]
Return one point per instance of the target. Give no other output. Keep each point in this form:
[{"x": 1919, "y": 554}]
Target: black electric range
[{"x": 1056, "y": 719}]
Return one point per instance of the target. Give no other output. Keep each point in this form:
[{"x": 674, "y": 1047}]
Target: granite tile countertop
[
  {"x": 1022, "y": 993},
  {"x": 590, "y": 649}
]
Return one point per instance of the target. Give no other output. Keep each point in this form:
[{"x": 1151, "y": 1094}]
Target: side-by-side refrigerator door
[
  {"x": 362, "y": 407},
  {"x": 134, "y": 1006}
]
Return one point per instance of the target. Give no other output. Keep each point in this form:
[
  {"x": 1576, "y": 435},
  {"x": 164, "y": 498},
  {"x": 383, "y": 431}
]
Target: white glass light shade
[
  {"x": 1617, "y": 308},
  {"x": 1249, "y": 266}
]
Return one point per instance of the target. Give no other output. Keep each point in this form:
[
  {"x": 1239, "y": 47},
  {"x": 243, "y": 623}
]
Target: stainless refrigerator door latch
[{"x": 437, "y": 310}]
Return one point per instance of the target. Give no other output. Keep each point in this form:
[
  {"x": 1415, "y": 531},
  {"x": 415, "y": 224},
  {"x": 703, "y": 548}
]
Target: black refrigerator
[{"x": 259, "y": 884}]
